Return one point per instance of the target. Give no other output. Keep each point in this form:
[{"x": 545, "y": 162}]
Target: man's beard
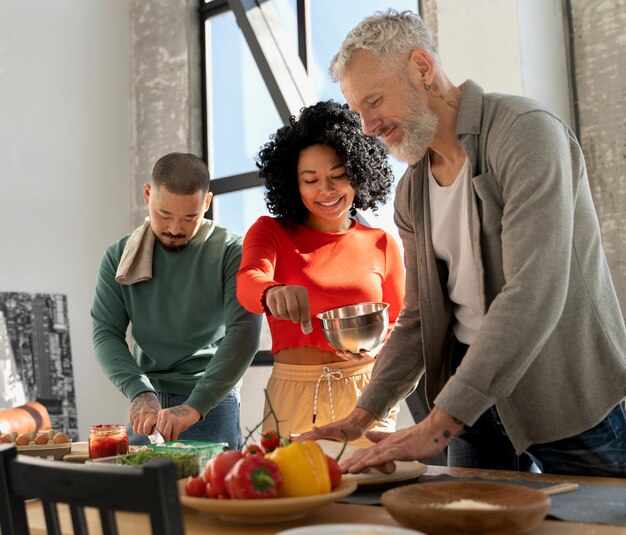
[
  {"x": 418, "y": 129},
  {"x": 171, "y": 247},
  {"x": 174, "y": 248}
]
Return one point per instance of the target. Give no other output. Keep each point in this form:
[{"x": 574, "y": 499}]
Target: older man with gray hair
[{"x": 510, "y": 314}]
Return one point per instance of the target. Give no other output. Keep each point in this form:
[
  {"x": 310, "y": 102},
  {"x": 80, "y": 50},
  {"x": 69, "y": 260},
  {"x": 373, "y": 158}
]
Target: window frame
[
  {"x": 250, "y": 179},
  {"x": 275, "y": 84}
]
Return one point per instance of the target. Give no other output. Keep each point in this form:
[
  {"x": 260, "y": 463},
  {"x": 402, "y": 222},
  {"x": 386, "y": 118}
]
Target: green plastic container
[{"x": 205, "y": 450}]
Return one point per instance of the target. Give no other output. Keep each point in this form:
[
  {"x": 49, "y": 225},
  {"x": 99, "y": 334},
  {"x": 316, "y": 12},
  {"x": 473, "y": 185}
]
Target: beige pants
[{"x": 307, "y": 395}]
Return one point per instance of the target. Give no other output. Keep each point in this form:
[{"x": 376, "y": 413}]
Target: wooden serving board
[
  {"x": 46, "y": 451},
  {"x": 404, "y": 471}
]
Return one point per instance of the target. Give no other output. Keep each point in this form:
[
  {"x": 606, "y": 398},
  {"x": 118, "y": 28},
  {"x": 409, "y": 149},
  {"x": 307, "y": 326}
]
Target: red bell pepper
[{"x": 253, "y": 477}]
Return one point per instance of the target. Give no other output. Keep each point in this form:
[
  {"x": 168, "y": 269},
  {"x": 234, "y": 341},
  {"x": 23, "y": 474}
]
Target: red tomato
[
  {"x": 269, "y": 440},
  {"x": 216, "y": 469},
  {"x": 252, "y": 449},
  {"x": 335, "y": 472},
  {"x": 210, "y": 492},
  {"x": 195, "y": 486}
]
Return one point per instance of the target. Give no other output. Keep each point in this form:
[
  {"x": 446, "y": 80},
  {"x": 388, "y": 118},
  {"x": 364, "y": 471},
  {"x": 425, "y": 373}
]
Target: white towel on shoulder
[{"x": 136, "y": 262}]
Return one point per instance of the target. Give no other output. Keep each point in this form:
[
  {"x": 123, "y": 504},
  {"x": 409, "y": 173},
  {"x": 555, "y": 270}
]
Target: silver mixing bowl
[{"x": 355, "y": 327}]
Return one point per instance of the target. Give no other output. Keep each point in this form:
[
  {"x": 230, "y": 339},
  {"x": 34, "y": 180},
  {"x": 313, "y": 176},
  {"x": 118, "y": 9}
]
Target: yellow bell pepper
[{"x": 304, "y": 468}]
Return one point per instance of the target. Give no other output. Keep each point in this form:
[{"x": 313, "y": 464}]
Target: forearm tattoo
[
  {"x": 447, "y": 435},
  {"x": 180, "y": 410},
  {"x": 145, "y": 403}
]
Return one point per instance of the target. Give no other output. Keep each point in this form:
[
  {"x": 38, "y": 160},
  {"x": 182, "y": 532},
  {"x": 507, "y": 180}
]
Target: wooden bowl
[{"x": 504, "y": 509}]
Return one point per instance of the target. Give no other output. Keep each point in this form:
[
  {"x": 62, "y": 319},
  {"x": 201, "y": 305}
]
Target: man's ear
[
  {"x": 146, "y": 193},
  {"x": 421, "y": 65},
  {"x": 207, "y": 201}
]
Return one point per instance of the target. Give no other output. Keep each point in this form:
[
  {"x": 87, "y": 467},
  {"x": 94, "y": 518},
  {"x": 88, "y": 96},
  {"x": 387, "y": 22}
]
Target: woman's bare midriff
[{"x": 306, "y": 355}]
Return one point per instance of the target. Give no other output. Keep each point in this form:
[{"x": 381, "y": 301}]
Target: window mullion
[{"x": 280, "y": 66}]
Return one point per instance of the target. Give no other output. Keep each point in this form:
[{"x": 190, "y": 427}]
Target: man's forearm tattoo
[
  {"x": 146, "y": 403},
  {"x": 180, "y": 410},
  {"x": 447, "y": 435}
]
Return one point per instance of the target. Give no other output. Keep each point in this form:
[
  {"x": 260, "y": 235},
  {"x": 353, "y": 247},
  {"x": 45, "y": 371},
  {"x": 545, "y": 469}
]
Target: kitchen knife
[{"x": 155, "y": 437}]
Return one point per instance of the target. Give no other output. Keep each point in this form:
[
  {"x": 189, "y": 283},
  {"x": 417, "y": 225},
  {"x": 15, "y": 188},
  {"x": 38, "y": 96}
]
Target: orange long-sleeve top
[{"x": 362, "y": 264}]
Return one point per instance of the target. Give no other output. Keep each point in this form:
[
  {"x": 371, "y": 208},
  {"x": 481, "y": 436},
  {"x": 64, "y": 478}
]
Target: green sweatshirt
[{"x": 191, "y": 335}]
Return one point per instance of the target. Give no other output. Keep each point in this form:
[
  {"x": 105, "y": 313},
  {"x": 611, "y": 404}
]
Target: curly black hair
[{"x": 335, "y": 125}]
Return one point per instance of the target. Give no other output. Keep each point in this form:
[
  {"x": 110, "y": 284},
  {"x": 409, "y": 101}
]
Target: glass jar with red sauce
[{"x": 107, "y": 440}]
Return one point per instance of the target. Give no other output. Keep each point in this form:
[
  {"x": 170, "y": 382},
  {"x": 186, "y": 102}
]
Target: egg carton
[
  {"x": 54, "y": 452},
  {"x": 45, "y": 444}
]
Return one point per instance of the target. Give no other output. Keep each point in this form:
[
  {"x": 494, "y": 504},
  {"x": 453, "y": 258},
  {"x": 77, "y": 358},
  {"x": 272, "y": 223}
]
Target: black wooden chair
[{"x": 149, "y": 489}]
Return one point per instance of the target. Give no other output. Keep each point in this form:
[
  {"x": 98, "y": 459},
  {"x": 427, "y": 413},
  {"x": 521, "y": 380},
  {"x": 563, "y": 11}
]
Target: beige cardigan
[{"x": 551, "y": 349}]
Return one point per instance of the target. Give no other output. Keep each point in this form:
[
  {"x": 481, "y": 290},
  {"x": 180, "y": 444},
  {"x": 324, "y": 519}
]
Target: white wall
[
  {"x": 544, "y": 56},
  {"x": 479, "y": 39},
  {"x": 507, "y": 46},
  {"x": 64, "y": 163}
]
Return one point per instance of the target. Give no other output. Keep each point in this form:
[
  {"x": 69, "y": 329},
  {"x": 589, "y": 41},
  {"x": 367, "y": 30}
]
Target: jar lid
[{"x": 107, "y": 427}]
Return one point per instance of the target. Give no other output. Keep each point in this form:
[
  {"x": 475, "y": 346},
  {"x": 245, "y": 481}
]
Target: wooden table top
[{"x": 197, "y": 522}]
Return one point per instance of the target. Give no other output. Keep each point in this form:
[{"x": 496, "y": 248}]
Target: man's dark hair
[
  {"x": 181, "y": 174},
  {"x": 335, "y": 125}
]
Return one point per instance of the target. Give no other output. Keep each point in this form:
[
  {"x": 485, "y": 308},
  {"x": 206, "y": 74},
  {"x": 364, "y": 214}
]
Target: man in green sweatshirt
[{"x": 173, "y": 280}]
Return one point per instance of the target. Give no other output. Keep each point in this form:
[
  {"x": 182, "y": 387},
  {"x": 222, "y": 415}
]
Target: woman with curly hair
[{"x": 314, "y": 256}]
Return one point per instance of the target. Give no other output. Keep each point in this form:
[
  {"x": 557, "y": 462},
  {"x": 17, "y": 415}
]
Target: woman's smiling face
[{"x": 325, "y": 189}]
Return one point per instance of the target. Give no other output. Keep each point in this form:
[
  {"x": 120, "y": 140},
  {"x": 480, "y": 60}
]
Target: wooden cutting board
[
  {"x": 405, "y": 470},
  {"x": 79, "y": 453}
]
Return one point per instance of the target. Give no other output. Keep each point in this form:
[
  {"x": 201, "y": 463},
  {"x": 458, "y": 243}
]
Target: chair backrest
[{"x": 150, "y": 488}]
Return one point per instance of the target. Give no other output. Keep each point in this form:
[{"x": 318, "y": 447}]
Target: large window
[{"x": 245, "y": 84}]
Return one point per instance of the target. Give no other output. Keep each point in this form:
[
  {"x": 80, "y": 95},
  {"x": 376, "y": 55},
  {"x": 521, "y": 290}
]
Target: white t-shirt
[{"x": 452, "y": 244}]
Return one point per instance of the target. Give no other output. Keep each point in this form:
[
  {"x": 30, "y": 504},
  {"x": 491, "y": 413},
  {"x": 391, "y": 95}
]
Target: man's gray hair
[{"x": 388, "y": 35}]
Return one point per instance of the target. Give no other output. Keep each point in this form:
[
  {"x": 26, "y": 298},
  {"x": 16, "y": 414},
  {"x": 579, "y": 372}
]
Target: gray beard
[{"x": 419, "y": 130}]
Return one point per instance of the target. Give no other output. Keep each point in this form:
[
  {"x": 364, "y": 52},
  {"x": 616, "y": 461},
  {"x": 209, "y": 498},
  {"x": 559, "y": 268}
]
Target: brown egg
[
  {"x": 6, "y": 438},
  {"x": 23, "y": 439},
  {"x": 61, "y": 438},
  {"x": 41, "y": 439}
]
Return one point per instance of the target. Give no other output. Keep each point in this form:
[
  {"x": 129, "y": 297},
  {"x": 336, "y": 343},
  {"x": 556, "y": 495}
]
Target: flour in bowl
[{"x": 467, "y": 504}]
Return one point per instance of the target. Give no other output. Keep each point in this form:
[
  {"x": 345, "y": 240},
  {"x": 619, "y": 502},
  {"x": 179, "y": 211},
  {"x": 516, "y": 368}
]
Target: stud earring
[{"x": 426, "y": 85}]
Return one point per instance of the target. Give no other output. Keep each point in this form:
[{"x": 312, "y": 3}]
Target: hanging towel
[{"x": 136, "y": 262}]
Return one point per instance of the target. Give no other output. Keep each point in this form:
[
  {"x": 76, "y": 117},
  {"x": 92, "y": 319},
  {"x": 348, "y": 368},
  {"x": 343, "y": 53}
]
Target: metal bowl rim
[{"x": 385, "y": 307}]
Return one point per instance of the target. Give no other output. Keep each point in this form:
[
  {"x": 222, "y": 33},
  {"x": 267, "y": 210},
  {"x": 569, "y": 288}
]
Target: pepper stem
[
  {"x": 262, "y": 480},
  {"x": 345, "y": 443}
]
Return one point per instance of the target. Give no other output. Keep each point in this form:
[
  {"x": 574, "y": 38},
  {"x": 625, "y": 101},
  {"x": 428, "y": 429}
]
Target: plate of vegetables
[
  {"x": 281, "y": 485},
  {"x": 266, "y": 509}
]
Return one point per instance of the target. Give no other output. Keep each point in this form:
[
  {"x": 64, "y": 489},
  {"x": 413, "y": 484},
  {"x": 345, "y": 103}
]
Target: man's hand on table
[{"x": 418, "y": 442}]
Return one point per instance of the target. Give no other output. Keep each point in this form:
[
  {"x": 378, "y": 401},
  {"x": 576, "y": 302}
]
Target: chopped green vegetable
[{"x": 187, "y": 464}]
